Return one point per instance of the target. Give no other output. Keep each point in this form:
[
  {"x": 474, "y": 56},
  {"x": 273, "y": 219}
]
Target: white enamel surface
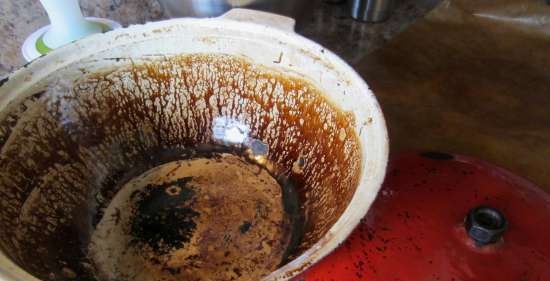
[
  {"x": 276, "y": 48},
  {"x": 229, "y": 131},
  {"x": 262, "y": 18}
]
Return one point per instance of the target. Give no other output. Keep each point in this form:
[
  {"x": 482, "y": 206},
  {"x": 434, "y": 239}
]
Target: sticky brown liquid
[{"x": 70, "y": 151}]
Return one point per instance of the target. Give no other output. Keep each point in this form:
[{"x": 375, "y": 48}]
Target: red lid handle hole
[{"x": 485, "y": 225}]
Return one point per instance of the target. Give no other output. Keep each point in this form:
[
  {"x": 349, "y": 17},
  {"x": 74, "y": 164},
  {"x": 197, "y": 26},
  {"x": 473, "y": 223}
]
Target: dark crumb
[
  {"x": 3, "y": 81},
  {"x": 245, "y": 227}
]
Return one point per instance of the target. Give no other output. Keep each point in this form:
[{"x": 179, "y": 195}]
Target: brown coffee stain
[{"x": 67, "y": 154}]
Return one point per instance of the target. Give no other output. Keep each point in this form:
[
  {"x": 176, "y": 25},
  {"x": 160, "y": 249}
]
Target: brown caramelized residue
[{"x": 65, "y": 156}]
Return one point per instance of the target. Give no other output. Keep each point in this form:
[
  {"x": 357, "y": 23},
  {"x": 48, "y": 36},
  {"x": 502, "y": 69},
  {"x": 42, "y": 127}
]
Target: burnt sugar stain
[
  {"x": 245, "y": 227},
  {"x": 15, "y": 112},
  {"x": 164, "y": 218}
]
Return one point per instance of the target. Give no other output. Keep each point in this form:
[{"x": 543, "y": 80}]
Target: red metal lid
[{"x": 449, "y": 218}]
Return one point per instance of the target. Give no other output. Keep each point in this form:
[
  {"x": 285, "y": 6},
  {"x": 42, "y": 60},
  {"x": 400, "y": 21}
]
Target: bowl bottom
[{"x": 219, "y": 218}]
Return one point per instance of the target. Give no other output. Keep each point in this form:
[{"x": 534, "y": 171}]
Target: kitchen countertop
[
  {"x": 472, "y": 78},
  {"x": 329, "y": 24}
]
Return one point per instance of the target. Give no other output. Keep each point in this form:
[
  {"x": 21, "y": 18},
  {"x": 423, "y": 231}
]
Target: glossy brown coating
[{"x": 70, "y": 151}]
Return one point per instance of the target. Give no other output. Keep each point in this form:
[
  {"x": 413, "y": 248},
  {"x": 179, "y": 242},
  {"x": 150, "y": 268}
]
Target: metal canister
[{"x": 371, "y": 10}]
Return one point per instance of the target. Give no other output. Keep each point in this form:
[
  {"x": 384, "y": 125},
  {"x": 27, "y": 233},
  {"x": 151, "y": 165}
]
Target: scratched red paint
[{"x": 414, "y": 231}]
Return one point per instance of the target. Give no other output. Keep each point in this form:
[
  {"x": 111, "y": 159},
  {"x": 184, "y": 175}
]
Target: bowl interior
[{"x": 203, "y": 166}]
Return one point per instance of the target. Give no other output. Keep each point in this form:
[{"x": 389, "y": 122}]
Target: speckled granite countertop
[{"x": 329, "y": 24}]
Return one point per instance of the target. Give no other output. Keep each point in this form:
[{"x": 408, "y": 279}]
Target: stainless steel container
[
  {"x": 371, "y": 10},
  {"x": 212, "y": 8}
]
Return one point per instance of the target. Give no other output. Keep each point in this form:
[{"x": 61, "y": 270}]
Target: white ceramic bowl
[{"x": 263, "y": 39}]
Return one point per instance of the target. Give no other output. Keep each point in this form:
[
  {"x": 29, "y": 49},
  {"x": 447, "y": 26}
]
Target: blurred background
[
  {"x": 463, "y": 76},
  {"x": 327, "y": 22}
]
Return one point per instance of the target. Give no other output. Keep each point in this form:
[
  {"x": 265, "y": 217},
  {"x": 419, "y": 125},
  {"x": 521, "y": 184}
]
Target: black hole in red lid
[{"x": 437, "y": 155}]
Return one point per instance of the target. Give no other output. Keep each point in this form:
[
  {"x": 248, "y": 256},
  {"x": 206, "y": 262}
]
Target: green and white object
[{"x": 67, "y": 25}]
